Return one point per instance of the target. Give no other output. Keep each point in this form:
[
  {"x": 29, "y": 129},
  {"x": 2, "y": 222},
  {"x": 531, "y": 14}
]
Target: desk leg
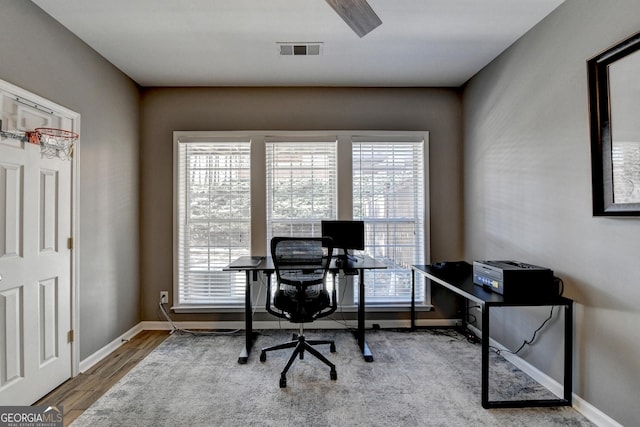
[
  {"x": 248, "y": 321},
  {"x": 568, "y": 367},
  {"x": 568, "y": 352},
  {"x": 413, "y": 300},
  {"x": 362, "y": 342},
  {"x": 485, "y": 357}
]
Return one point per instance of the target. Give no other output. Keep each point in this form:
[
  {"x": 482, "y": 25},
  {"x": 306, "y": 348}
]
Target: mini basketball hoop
[{"x": 54, "y": 142}]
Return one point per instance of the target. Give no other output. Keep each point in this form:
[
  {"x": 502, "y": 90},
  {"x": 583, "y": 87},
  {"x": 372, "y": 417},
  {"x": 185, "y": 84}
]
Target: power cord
[
  {"x": 560, "y": 284},
  {"x": 472, "y": 319},
  {"x": 525, "y": 342},
  {"x": 472, "y": 337},
  {"x": 174, "y": 328}
]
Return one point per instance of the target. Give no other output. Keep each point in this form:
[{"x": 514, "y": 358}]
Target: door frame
[{"x": 75, "y": 211}]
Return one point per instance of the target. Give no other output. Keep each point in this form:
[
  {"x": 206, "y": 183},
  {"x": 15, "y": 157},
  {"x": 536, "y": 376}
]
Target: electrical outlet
[{"x": 164, "y": 297}]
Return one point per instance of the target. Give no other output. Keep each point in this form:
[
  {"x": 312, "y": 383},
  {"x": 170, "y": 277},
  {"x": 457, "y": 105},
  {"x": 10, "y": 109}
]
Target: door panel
[
  {"x": 10, "y": 336},
  {"x": 48, "y": 211},
  {"x": 10, "y": 206}
]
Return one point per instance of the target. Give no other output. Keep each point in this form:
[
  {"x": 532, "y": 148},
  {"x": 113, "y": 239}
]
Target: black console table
[{"x": 460, "y": 281}]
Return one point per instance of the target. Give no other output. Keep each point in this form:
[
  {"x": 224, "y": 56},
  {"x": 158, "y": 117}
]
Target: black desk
[
  {"x": 266, "y": 267},
  {"x": 461, "y": 282}
]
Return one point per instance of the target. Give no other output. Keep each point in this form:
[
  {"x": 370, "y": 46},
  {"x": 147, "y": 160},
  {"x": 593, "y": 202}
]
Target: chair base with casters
[
  {"x": 301, "y": 266},
  {"x": 300, "y": 344}
]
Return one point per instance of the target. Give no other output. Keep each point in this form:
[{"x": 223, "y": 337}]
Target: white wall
[
  {"x": 41, "y": 56},
  {"x": 528, "y": 197}
]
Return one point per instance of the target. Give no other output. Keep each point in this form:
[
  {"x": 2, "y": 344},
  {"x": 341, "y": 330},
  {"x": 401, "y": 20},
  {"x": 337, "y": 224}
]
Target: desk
[
  {"x": 266, "y": 267},
  {"x": 461, "y": 283}
]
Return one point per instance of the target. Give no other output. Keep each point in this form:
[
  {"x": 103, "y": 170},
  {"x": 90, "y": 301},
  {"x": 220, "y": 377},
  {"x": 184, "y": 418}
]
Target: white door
[{"x": 35, "y": 259}]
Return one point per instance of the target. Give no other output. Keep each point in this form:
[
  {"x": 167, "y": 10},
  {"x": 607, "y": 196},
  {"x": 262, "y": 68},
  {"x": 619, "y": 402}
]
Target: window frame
[
  {"x": 398, "y": 150},
  {"x": 259, "y": 245},
  {"x": 181, "y": 141}
]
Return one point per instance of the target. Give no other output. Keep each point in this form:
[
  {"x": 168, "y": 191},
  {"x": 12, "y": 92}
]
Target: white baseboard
[
  {"x": 318, "y": 324},
  {"x": 592, "y": 413},
  {"x": 96, "y": 357}
]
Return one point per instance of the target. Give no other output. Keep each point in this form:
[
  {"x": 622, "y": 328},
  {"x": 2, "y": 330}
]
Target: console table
[{"x": 460, "y": 281}]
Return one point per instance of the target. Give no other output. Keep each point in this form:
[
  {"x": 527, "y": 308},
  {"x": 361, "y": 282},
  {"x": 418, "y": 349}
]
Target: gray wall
[
  {"x": 39, "y": 55},
  {"x": 528, "y": 197},
  {"x": 166, "y": 110}
]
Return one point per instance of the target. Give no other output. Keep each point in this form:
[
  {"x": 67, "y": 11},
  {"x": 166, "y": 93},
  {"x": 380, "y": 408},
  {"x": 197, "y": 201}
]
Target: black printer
[{"x": 515, "y": 280}]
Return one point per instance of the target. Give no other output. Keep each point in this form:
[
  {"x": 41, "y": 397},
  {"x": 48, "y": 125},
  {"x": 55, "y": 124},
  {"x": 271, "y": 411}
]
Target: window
[
  {"x": 234, "y": 191},
  {"x": 301, "y": 185},
  {"x": 388, "y": 189},
  {"x": 214, "y": 220}
]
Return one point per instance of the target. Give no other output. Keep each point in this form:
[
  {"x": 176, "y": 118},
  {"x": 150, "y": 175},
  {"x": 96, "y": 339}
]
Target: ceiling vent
[{"x": 300, "y": 49}]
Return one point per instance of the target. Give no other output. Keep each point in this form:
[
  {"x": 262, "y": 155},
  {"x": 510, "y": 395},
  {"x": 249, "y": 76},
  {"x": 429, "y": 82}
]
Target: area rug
[{"x": 422, "y": 378}]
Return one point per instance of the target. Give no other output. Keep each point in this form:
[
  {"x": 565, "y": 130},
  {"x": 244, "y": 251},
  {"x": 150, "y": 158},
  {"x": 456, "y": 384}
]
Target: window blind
[
  {"x": 214, "y": 220},
  {"x": 301, "y": 185},
  {"x": 388, "y": 195}
]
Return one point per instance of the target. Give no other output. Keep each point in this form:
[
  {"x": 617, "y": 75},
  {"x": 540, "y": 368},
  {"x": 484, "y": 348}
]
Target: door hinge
[
  {"x": 70, "y": 336},
  {"x": 70, "y": 243}
]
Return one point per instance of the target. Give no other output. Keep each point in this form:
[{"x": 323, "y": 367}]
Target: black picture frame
[{"x": 602, "y": 142}]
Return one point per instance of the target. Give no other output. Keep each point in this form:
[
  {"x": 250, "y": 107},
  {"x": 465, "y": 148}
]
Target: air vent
[{"x": 300, "y": 49}]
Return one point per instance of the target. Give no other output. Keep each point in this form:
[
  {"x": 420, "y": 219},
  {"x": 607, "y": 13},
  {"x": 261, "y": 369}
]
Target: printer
[{"x": 515, "y": 280}]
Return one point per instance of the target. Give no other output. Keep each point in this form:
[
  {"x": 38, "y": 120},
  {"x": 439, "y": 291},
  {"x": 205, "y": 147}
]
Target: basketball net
[{"x": 54, "y": 142}]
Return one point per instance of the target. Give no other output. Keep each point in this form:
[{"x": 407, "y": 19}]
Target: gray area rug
[{"x": 423, "y": 378}]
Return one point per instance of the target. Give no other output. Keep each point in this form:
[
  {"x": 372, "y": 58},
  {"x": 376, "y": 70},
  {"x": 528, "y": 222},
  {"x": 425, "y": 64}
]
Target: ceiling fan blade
[{"x": 357, "y": 14}]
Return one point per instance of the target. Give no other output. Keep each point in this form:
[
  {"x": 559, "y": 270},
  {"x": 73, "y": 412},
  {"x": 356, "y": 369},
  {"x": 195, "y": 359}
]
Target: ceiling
[{"x": 423, "y": 43}]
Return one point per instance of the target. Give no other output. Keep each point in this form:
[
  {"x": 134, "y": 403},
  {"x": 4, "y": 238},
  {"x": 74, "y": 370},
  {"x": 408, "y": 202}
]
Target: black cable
[
  {"x": 174, "y": 328},
  {"x": 471, "y": 319},
  {"x": 447, "y": 332},
  {"x": 533, "y": 338},
  {"x": 525, "y": 342},
  {"x": 560, "y": 284}
]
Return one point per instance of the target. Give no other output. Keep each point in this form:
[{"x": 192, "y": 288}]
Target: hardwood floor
[{"x": 77, "y": 394}]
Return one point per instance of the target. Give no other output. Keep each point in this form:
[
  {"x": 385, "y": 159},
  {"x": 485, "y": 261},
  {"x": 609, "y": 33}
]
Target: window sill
[{"x": 373, "y": 308}]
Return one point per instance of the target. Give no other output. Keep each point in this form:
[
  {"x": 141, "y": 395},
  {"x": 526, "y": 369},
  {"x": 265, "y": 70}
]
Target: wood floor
[{"x": 77, "y": 394}]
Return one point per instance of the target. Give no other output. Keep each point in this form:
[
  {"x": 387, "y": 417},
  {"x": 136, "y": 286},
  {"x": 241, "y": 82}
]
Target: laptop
[{"x": 246, "y": 261}]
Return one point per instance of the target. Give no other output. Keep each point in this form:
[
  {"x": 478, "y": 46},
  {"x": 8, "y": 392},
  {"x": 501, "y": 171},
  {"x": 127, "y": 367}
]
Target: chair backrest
[
  {"x": 301, "y": 261},
  {"x": 301, "y": 265}
]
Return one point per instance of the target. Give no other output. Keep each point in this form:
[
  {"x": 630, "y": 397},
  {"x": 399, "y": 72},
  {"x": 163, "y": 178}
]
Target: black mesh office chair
[{"x": 301, "y": 265}]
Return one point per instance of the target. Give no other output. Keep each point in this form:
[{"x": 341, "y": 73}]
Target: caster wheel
[
  {"x": 332, "y": 348},
  {"x": 283, "y": 382},
  {"x": 263, "y": 356},
  {"x": 334, "y": 375}
]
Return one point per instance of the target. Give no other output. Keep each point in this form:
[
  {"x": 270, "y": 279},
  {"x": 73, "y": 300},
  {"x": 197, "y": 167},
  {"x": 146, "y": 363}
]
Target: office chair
[{"x": 301, "y": 265}]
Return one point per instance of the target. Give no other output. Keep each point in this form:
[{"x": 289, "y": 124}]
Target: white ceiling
[{"x": 234, "y": 42}]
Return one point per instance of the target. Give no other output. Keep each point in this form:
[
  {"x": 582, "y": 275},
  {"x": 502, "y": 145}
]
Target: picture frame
[{"x": 614, "y": 117}]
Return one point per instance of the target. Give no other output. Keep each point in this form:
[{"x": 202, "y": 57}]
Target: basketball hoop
[{"x": 54, "y": 142}]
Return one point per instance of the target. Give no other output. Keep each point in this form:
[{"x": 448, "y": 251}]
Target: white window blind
[
  {"x": 388, "y": 195},
  {"x": 301, "y": 185},
  {"x": 214, "y": 220}
]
